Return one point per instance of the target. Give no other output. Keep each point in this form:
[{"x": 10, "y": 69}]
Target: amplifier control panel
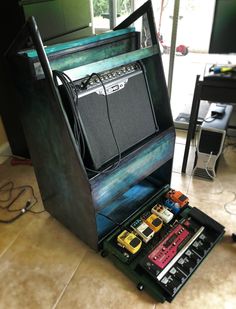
[{"x": 117, "y": 75}]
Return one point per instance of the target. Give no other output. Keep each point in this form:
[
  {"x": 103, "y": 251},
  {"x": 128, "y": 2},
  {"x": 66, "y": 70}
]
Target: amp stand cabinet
[{"x": 98, "y": 124}]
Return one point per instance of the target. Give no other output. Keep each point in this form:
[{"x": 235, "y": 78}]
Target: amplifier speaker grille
[{"x": 131, "y": 116}]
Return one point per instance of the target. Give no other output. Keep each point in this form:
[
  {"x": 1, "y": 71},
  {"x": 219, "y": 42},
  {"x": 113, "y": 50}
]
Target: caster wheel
[
  {"x": 104, "y": 254},
  {"x": 140, "y": 286}
]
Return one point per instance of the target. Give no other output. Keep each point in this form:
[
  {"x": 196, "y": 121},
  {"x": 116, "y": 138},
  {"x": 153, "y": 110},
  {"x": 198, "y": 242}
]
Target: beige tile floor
[{"x": 43, "y": 265}]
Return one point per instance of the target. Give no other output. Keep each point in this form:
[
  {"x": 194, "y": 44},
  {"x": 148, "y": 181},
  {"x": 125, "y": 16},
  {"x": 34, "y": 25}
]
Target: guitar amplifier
[{"x": 115, "y": 112}]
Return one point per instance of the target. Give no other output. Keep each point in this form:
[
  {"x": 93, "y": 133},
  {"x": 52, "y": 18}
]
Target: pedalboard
[
  {"x": 174, "y": 259},
  {"x": 164, "y": 247}
]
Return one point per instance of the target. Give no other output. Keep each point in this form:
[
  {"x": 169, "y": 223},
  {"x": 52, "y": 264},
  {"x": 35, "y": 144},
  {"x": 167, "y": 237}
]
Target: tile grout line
[
  {"x": 14, "y": 240},
  {"x": 11, "y": 243},
  {"x": 65, "y": 287}
]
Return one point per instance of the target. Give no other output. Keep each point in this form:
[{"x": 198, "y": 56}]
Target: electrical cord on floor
[
  {"x": 8, "y": 202},
  {"x": 228, "y": 204},
  {"x": 22, "y": 211},
  {"x": 9, "y": 191},
  {"x": 8, "y": 206},
  {"x": 211, "y": 176}
]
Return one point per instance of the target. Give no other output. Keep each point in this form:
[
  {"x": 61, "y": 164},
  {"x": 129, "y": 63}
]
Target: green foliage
[
  {"x": 102, "y": 6},
  {"x": 123, "y": 6}
]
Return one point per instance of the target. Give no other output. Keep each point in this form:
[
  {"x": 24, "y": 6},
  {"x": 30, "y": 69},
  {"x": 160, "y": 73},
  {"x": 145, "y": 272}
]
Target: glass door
[
  {"x": 109, "y": 13},
  {"x": 191, "y": 57},
  {"x": 187, "y": 24}
]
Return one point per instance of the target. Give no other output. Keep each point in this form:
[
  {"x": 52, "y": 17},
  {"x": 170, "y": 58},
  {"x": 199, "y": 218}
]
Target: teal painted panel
[
  {"x": 77, "y": 43},
  {"x": 124, "y": 206},
  {"x": 75, "y": 71},
  {"x": 106, "y": 188},
  {"x": 112, "y": 62}
]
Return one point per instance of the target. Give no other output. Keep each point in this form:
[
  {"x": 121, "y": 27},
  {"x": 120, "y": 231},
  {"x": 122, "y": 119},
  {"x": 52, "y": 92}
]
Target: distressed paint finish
[
  {"x": 112, "y": 62},
  {"x": 124, "y": 206},
  {"x": 68, "y": 194},
  {"x": 133, "y": 169},
  {"x": 64, "y": 57},
  {"x": 78, "y": 43},
  {"x": 61, "y": 177},
  {"x": 105, "y": 60}
]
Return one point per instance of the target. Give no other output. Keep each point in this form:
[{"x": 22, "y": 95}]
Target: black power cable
[
  {"x": 7, "y": 203},
  {"x": 72, "y": 94},
  {"x": 22, "y": 211},
  {"x": 83, "y": 86},
  {"x": 9, "y": 191},
  {"x": 8, "y": 206}
]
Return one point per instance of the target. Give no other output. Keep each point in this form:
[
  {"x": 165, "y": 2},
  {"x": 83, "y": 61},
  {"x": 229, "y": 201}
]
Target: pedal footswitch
[
  {"x": 129, "y": 241},
  {"x": 153, "y": 221},
  {"x": 143, "y": 230},
  {"x": 178, "y": 197}
]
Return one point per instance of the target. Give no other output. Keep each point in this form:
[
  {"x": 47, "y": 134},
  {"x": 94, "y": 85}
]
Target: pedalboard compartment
[{"x": 163, "y": 263}]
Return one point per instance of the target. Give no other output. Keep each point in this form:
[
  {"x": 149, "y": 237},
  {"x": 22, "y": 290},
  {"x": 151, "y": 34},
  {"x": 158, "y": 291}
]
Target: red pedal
[{"x": 168, "y": 248}]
